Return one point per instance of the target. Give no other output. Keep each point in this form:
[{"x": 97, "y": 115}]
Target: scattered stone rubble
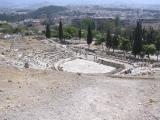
[
  {"x": 35, "y": 58},
  {"x": 140, "y": 69}
]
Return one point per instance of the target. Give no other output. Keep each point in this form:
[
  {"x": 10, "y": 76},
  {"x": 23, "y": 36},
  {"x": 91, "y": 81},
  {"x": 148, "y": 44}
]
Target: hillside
[{"x": 49, "y": 10}]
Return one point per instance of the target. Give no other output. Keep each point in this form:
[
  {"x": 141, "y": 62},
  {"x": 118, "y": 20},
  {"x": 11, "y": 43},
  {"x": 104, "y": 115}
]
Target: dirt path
[{"x": 51, "y": 95}]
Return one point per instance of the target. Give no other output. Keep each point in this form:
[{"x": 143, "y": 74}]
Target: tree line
[{"x": 140, "y": 41}]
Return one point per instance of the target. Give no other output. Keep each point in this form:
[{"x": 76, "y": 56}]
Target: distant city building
[
  {"x": 36, "y": 22},
  {"x": 151, "y": 23},
  {"x": 32, "y": 22}
]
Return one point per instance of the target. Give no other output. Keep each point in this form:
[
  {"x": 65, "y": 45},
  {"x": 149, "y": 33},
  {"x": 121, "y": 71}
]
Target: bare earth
[
  {"x": 28, "y": 94},
  {"x": 51, "y": 95}
]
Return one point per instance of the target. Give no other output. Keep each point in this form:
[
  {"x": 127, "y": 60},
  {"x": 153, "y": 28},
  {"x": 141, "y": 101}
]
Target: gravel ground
[{"x": 51, "y": 95}]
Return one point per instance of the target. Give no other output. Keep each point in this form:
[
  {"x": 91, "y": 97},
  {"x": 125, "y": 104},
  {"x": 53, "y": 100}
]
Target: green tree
[
  {"x": 21, "y": 29},
  {"x": 109, "y": 24},
  {"x": 144, "y": 35},
  {"x": 149, "y": 49},
  {"x": 72, "y": 31},
  {"x": 137, "y": 43},
  {"x": 125, "y": 45},
  {"x": 117, "y": 21},
  {"x": 84, "y": 33},
  {"x": 99, "y": 39},
  {"x": 80, "y": 34},
  {"x": 108, "y": 40},
  {"x": 115, "y": 42},
  {"x": 86, "y": 22},
  {"x": 67, "y": 35},
  {"x": 150, "y": 36},
  {"x": 48, "y": 32},
  {"x": 157, "y": 44},
  {"x": 6, "y": 28},
  {"x": 89, "y": 36},
  {"x": 60, "y": 31}
]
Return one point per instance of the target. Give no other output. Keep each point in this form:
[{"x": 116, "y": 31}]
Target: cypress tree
[
  {"x": 89, "y": 36},
  {"x": 60, "y": 31},
  {"x": 117, "y": 21},
  {"x": 79, "y": 33},
  {"x": 108, "y": 40},
  {"x": 151, "y": 37},
  {"x": 48, "y": 32},
  {"x": 115, "y": 42},
  {"x": 137, "y": 43},
  {"x": 157, "y": 44}
]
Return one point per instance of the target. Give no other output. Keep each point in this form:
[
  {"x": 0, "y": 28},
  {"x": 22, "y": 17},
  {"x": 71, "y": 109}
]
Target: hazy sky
[
  {"x": 94, "y": 1},
  {"x": 66, "y": 2}
]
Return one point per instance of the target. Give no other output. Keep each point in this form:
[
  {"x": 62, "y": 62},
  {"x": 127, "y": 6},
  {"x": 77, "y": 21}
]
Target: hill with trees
[{"x": 49, "y": 11}]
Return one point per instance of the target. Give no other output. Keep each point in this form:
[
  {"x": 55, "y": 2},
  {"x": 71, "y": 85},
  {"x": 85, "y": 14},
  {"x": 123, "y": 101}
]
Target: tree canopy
[
  {"x": 137, "y": 43},
  {"x": 48, "y": 32},
  {"x": 89, "y": 35},
  {"x": 60, "y": 31}
]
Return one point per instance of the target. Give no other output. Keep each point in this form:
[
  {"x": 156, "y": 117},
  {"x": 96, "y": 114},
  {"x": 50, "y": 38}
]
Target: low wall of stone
[
  {"x": 119, "y": 67},
  {"x": 116, "y": 65}
]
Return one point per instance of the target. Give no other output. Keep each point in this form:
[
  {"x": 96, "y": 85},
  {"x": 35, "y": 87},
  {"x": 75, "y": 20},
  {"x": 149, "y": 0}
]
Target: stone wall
[{"x": 119, "y": 67}]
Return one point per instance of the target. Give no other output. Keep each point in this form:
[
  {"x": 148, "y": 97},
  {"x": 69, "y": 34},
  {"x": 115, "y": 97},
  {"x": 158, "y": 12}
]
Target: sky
[
  {"x": 82, "y": 1},
  {"x": 77, "y": 2}
]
